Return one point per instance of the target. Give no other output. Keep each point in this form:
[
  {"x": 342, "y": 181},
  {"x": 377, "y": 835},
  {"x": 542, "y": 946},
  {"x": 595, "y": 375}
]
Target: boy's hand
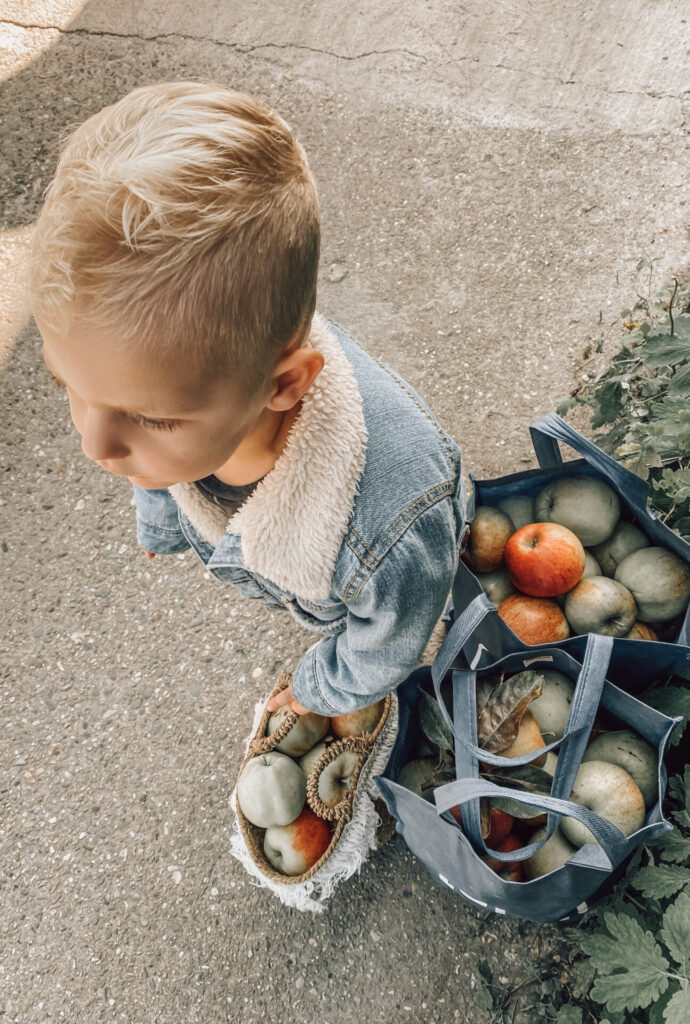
[
  {"x": 149, "y": 554},
  {"x": 286, "y": 697}
]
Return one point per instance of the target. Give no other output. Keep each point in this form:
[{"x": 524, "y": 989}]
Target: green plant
[{"x": 641, "y": 398}]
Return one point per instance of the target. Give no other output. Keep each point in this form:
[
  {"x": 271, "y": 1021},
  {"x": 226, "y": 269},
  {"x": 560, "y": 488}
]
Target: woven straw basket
[{"x": 360, "y": 822}]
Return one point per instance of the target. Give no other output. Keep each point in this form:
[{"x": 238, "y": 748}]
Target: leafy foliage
[{"x": 639, "y": 401}]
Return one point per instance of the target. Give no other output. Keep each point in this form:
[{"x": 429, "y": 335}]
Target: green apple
[
  {"x": 600, "y": 605},
  {"x": 628, "y": 750},
  {"x": 307, "y": 730},
  {"x": 551, "y": 710},
  {"x": 610, "y": 792},
  {"x": 271, "y": 789},
  {"x": 519, "y": 509},
  {"x": 586, "y": 505},
  {"x": 658, "y": 580},
  {"x": 625, "y": 539}
]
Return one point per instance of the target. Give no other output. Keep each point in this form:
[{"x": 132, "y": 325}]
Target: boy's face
[{"x": 140, "y": 418}]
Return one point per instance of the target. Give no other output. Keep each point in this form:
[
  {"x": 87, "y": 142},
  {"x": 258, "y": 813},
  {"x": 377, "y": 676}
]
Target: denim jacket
[{"x": 355, "y": 531}]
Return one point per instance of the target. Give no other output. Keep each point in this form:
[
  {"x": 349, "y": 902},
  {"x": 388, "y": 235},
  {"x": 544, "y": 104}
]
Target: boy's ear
[{"x": 294, "y": 374}]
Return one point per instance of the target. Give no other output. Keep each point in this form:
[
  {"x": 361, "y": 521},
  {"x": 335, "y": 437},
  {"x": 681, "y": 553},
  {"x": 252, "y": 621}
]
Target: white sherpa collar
[{"x": 292, "y": 525}]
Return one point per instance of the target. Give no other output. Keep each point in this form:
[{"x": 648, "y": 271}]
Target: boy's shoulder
[
  {"x": 410, "y": 463},
  {"x": 409, "y": 456}
]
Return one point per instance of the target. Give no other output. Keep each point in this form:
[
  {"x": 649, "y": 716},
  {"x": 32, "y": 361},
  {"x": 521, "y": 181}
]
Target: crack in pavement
[
  {"x": 253, "y": 47},
  {"x": 239, "y": 47}
]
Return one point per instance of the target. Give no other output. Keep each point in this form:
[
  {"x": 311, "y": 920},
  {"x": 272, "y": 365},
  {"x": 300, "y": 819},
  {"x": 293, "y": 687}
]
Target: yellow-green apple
[
  {"x": 419, "y": 776},
  {"x": 659, "y": 581},
  {"x": 292, "y": 849},
  {"x": 496, "y": 585},
  {"x": 519, "y": 509},
  {"x": 307, "y": 730},
  {"x": 600, "y": 605},
  {"x": 586, "y": 505},
  {"x": 535, "y": 620},
  {"x": 544, "y": 559},
  {"x": 552, "y": 708},
  {"x": 528, "y": 738},
  {"x": 337, "y": 778},
  {"x": 641, "y": 631},
  {"x": 553, "y": 854},
  {"x": 513, "y": 873},
  {"x": 610, "y": 792},
  {"x": 271, "y": 789},
  {"x": 357, "y": 723},
  {"x": 308, "y": 760},
  {"x": 625, "y": 539},
  {"x": 628, "y": 750},
  {"x": 489, "y": 531}
]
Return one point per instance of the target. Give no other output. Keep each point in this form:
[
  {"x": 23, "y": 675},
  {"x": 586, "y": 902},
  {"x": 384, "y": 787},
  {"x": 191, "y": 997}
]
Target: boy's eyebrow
[{"x": 127, "y": 412}]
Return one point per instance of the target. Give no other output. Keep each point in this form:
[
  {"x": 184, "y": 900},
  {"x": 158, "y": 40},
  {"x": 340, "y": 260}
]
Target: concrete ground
[{"x": 489, "y": 176}]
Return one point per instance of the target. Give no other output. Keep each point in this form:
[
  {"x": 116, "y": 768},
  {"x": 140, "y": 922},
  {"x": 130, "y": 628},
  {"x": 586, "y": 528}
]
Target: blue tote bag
[
  {"x": 635, "y": 662},
  {"x": 451, "y": 852}
]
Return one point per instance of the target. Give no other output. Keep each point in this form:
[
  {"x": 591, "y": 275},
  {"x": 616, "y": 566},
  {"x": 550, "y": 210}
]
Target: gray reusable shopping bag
[
  {"x": 635, "y": 662},
  {"x": 451, "y": 852}
]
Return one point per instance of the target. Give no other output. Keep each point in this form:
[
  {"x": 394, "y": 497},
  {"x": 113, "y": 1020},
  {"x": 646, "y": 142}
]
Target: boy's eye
[{"x": 144, "y": 421}]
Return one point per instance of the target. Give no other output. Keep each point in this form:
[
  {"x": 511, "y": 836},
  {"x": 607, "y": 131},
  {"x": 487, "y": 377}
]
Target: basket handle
[{"x": 548, "y": 431}]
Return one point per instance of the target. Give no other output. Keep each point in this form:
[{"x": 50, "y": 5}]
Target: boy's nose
[{"x": 99, "y": 440}]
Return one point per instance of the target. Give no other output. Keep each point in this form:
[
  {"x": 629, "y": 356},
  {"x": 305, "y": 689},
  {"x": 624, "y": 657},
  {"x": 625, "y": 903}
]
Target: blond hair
[{"x": 186, "y": 217}]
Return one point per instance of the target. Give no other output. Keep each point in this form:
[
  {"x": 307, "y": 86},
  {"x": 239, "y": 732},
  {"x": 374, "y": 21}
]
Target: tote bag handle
[
  {"x": 547, "y": 432},
  {"x": 613, "y": 845}
]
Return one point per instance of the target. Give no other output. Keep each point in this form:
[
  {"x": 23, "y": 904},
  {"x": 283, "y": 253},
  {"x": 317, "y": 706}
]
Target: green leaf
[
  {"x": 665, "y": 350},
  {"x": 635, "y": 956},
  {"x": 679, "y": 788},
  {"x": 564, "y": 407},
  {"x": 673, "y": 847},
  {"x": 657, "y": 1009},
  {"x": 484, "y": 999},
  {"x": 678, "y": 1009},
  {"x": 661, "y": 881},
  {"x": 569, "y": 1015},
  {"x": 675, "y": 931}
]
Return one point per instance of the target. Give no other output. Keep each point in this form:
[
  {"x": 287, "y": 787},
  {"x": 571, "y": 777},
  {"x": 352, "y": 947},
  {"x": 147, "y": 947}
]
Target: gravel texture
[{"x": 487, "y": 186}]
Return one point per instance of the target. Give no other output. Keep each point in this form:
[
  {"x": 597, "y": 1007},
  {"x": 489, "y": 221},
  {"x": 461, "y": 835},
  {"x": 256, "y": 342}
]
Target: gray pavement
[{"x": 489, "y": 175}]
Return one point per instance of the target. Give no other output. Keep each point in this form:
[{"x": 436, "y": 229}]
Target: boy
[{"x": 173, "y": 280}]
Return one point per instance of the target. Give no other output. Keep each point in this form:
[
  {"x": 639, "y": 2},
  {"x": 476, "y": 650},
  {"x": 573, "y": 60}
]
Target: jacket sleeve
[
  {"x": 158, "y": 523},
  {"x": 389, "y": 620}
]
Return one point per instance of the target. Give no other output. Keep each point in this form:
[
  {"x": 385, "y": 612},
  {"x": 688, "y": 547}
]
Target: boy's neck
[{"x": 259, "y": 451}]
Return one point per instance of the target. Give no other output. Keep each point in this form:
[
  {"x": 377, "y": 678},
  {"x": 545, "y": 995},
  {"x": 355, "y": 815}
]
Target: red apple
[
  {"x": 500, "y": 824},
  {"x": 293, "y": 848},
  {"x": 356, "y": 723},
  {"x": 535, "y": 620},
  {"x": 489, "y": 531},
  {"x": 544, "y": 559},
  {"x": 509, "y": 844}
]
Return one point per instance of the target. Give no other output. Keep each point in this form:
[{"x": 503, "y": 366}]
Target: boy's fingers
[
  {"x": 280, "y": 699},
  {"x": 149, "y": 554},
  {"x": 298, "y": 708}
]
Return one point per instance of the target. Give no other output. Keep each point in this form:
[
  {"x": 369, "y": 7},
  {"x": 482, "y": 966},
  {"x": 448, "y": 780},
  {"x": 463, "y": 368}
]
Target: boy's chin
[{"x": 148, "y": 483}]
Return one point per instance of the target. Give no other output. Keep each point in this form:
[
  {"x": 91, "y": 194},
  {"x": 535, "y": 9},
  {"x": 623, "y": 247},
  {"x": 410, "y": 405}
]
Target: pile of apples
[
  {"x": 566, "y": 563},
  {"x": 272, "y": 787},
  {"x": 618, "y": 779}
]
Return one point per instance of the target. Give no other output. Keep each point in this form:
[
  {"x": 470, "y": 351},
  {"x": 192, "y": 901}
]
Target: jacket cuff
[
  {"x": 305, "y": 685},
  {"x": 160, "y": 541}
]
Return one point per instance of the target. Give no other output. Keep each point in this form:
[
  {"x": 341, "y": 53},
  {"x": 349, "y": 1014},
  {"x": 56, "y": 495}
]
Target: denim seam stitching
[
  {"x": 316, "y": 684},
  {"x": 155, "y": 526},
  {"x": 349, "y": 594}
]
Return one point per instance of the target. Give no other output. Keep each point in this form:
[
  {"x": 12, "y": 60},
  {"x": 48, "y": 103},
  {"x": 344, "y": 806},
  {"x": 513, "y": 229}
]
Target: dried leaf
[
  {"x": 500, "y": 708},
  {"x": 526, "y": 777},
  {"x": 433, "y": 724}
]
